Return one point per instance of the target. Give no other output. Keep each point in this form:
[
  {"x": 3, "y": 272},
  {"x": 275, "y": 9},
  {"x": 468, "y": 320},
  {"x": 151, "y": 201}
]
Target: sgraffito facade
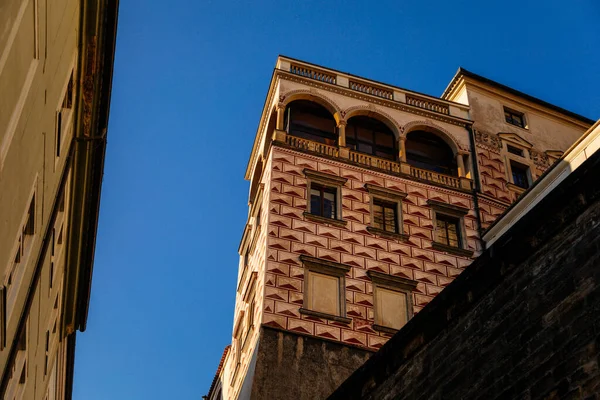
[{"x": 366, "y": 200}]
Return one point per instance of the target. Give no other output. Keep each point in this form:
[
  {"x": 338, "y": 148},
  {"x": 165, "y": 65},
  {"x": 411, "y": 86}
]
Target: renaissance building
[{"x": 366, "y": 200}]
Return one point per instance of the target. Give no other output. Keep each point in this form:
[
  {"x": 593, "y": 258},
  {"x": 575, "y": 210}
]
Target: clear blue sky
[{"x": 190, "y": 79}]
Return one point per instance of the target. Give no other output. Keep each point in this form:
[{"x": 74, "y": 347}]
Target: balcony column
[
  {"x": 402, "y": 149},
  {"x": 280, "y": 117},
  {"x": 344, "y": 152},
  {"x": 465, "y": 182},
  {"x": 341, "y": 133},
  {"x": 404, "y": 167},
  {"x": 280, "y": 135},
  {"x": 461, "y": 165}
]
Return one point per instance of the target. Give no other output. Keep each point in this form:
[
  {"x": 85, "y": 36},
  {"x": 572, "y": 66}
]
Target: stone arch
[
  {"x": 429, "y": 126},
  {"x": 373, "y": 112},
  {"x": 310, "y": 95}
]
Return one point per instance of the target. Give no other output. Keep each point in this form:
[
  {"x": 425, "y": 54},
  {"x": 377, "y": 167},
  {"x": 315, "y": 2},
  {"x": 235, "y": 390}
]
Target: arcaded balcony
[{"x": 369, "y": 142}]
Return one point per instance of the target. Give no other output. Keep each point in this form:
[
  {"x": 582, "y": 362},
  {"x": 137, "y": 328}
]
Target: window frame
[
  {"x": 526, "y": 169},
  {"x": 377, "y": 193},
  {"x": 524, "y": 160},
  {"x": 452, "y": 211},
  {"x": 326, "y": 180},
  {"x": 318, "y": 266},
  {"x": 514, "y": 113},
  {"x": 244, "y": 250},
  {"x": 250, "y": 301},
  {"x": 64, "y": 117},
  {"x": 395, "y": 284},
  {"x": 448, "y": 220},
  {"x": 354, "y": 141}
]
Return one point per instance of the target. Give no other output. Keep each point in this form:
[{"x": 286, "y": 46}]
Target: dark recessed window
[
  {"x": 426, "y": 150},
  {"x": 448, "y": 231},
  {"x": 514, "y": 150},
  {"x": 370, "y": 136},
  {"x": 385, "y": 216},
  {"x": 311, "y": 121},
  {"x": 258, "y": 217},
  {"x": 520, "y": 175},
  {"x": 323, "y": 201},
  {"x": 29, "y": 228},
  {"x": 514, "y": 117}
]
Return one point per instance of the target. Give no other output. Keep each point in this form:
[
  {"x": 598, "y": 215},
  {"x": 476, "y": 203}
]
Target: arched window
[
  {"x": 310, "y": 121},
  {"x": 368, "y": 135},
  {"x": 428, "y": 151}
]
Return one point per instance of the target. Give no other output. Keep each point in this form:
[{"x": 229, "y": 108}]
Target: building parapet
[{"x": 373, "y": 88}]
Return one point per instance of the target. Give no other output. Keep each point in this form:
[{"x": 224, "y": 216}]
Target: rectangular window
[
  {"x": 324, "y": 289},
  {"x": 448, "y": 230},
  {"x": 63, "y": 115},
  {"x": 323, "y": 201},
  {"x": 323, "y": 293},
  {"x": 385, "y": 215},
  {"x": 514, "y": 117},
  {"x": 392, "y": 301},
  {"x": 391, "y": 308},
  {"x": 3, "y": 318},
  {"x": 520, "y": 174},
  {"x": 514, "y": 150},
  {"x": 29, "y": 228}
]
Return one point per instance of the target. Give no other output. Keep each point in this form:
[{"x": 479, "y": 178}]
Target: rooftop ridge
[{"x": 466, "y": 73}]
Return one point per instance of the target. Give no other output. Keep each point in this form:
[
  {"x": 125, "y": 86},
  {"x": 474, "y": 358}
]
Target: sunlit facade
[
  {"x": 56, "y": 62},
  {"x": 366, "y": 200}
]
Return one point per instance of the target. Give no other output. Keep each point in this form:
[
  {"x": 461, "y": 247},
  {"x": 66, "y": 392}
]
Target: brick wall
[{"x": 521, "y": 322}]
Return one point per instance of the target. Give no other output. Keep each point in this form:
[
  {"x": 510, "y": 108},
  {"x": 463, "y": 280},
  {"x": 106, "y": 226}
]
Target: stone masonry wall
[
  {"x": 521, "y": 322},
  {"x": 300, "y": 367}
]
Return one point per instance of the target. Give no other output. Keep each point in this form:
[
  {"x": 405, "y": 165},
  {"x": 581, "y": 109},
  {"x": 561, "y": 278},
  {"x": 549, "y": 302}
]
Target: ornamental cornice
[
  {"x": 371, "y": 99},
  {"x": 367, "y": 170}
]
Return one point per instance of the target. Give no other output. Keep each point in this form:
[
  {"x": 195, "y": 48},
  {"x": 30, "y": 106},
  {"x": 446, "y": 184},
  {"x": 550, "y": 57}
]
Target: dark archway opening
[
  {"x": 311, "y": 121},
  {"x": 428, "y": 151},
  {"x": 371, "y": 136}
]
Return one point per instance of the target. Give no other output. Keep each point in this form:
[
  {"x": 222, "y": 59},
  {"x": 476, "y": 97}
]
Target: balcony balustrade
[
  {"x": 427, "y": 104},
  {"x": 374, "y": 162}
]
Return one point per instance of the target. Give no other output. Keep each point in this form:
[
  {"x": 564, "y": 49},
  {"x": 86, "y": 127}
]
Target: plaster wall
[
  {"x": 544, "y": 130},
  {"x": 38, "y": 50}
]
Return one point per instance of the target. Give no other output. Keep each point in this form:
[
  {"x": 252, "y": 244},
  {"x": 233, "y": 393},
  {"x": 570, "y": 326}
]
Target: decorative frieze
[
  {"x": 488, "y": 141},
  {"x": 539, "y": 158}
]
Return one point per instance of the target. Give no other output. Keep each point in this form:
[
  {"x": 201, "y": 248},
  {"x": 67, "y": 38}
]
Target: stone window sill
[
  {"x": 325, "y": 220},
  {"x": 389, "y": 235},
  {"x": 384, "y": 329},
  {"x": 515, "y": 188},
  {"x": 451, "y": 249},
  {"x": 337, "y": 318}
]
